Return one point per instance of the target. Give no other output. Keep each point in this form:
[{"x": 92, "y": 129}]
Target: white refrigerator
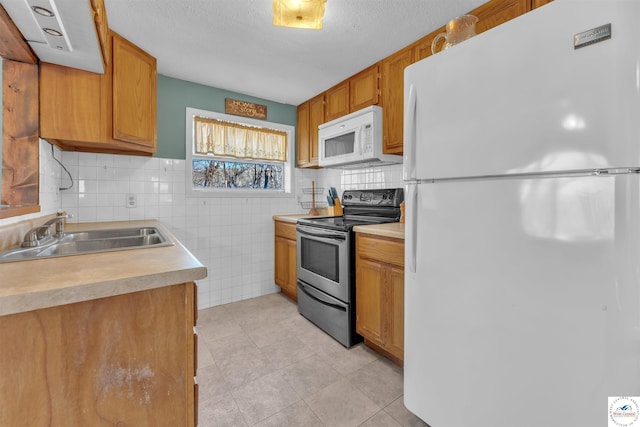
[{"x": 522, "y": 262}]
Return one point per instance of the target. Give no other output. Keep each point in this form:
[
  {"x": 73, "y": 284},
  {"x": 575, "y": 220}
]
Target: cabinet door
[
  {"x": 134, "y": 94},
  {"x": 292, "y": 274},
  {"x": 393, "y": 99},
  {"x": 538, "y": 3},
  {"x": 281, "y": 264},
  {"x": 422, "y": 48},
  {"x": 285, "y": 274},
  {"x": 316, "y": 118},
  {"x": 394, "y": 337},
  {"x": 304, "y": 155},
  {"x": 496, "y": 12},
  {"x": 364, "y": 89},
  {"x": 121, "y": 360},
  {"x": 74, "y": 104},
  {"x": 337, "y": 101},
  {"x": 369, "y": 295}
]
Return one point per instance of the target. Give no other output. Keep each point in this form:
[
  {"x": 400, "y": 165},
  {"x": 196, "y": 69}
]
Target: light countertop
[
  {"x": 393, "y": 229},
  {"x": 291, "y": 217},
  {"x": 35, "y": 284}
]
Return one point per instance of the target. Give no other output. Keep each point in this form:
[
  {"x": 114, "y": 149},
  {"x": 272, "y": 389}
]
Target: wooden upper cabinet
[
  {"x": 383, "y": 83},
  {"x": 392, "y": 82},
  {"x": 496, "y": 12},
  {"x": 337, "y": 101},
  {"x": 316, "y": 118},
  {"x": 303, "y": 152},
  {"x": 310, "y": 115},
  {"x": 114, "y": 112},
  {"x": 134, "y": 94},
  {"x": 353, "y": 94},
  {"x": 538, "y": 3},
  {"x": 422, "y": 48},
  {"x": 102, "y": 28},
  {"x": 73, "y": 105},
  {"x": 490, "y": 14},
  {"x": 364, "y": 89}
]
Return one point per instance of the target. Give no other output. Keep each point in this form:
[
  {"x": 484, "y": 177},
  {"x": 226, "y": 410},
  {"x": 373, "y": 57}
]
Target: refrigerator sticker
[
  {"x": 624, "y": 411},
  {"x": 592, "y": 36}
]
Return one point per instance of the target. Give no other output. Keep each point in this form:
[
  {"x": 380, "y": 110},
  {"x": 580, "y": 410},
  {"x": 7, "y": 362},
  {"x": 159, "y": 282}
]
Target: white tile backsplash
[
  {"x": 232, "y": 237},
  {"x": 366, "y": 178}
]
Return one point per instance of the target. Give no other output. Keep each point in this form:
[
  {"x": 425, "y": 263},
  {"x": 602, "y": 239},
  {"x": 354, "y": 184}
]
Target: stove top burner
[
  {"x": 362, "y": 207},
  {"x": 344, "y": 223}
]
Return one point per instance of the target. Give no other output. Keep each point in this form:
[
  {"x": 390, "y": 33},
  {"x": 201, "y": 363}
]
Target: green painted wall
[{"x": 174, "y": 96}]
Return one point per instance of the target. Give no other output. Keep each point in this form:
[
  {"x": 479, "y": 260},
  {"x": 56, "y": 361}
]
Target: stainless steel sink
[
  {"x": 110, "y": 234},
  {"x": 91, "y": 241}
]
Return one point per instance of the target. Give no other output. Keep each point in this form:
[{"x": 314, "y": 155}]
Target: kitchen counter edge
[
  {"x": 35, "y": 284},
  {"x": 292, "y": 218},
  {"x": 393, "y": 229}
]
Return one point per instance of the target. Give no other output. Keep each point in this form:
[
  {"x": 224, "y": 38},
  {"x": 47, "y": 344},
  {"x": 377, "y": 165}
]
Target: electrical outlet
[{"x": 131, "y": 200}]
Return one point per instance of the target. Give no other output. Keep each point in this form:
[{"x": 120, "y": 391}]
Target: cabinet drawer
[
  {"x": 383, "y": 249},
  {"x": 286, "y": 230}
]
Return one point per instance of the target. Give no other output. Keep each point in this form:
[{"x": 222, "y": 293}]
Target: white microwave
[{"x": 354, "y": 140}]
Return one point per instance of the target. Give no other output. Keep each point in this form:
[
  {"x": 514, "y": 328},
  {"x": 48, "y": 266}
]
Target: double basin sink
[{"x": 91, "y": 241}]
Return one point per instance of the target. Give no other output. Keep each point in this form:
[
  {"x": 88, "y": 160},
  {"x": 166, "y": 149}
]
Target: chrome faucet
[{"x": 37, "y": 234}]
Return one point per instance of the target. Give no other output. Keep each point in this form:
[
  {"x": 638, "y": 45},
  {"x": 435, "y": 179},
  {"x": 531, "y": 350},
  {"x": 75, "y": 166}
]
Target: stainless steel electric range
[{"x": 326, "y": 259}]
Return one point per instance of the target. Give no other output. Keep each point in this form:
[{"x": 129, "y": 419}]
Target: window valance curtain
[{"x": 232, "y": 139}]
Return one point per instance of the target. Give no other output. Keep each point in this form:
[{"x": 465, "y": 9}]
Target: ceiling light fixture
[
  {"x": 45, "y": 12},
  {"x": 298, "y": 13},
  {"x": 42, "y": 11},
  {"x": 52, "y": 32}
]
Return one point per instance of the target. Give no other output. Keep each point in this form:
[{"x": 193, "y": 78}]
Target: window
[{"x": 237, "y": 156}]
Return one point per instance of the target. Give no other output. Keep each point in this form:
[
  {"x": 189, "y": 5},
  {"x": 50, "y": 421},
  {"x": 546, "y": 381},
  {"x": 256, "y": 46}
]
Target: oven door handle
[
  {"x": 328, "y": 304},
  {"x": 315, "y": 232}
]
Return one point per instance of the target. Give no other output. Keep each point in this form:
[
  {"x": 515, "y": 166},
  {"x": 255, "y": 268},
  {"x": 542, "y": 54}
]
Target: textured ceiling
[{"x": 232, "y": 45}]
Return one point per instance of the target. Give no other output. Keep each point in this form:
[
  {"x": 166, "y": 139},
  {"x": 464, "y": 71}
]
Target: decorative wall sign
[{"x": 246, "y": 109}]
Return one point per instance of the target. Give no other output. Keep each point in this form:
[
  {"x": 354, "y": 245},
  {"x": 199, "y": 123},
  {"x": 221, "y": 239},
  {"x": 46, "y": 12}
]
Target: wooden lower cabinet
[
  {"x": 285, "y": 259},
  {"x": 126, "y": 360},
  {"x": 380, "y": 294}
]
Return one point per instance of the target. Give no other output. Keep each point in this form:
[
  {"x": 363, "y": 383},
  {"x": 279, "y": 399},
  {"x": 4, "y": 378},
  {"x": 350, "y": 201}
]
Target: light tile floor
[{"x": 262, "y": 364}]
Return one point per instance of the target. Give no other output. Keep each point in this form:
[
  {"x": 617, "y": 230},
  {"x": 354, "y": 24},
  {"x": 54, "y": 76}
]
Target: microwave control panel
[{"x": 367, "y": 138}]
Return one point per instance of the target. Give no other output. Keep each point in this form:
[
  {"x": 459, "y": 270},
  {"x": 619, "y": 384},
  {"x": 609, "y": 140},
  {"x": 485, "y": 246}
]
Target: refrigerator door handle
[
  {"x": 409, "y": 170},
  {"x": 412, "y": 226}
]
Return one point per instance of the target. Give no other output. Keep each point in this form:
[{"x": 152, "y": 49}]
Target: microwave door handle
[{"x": 360, "y": 147}]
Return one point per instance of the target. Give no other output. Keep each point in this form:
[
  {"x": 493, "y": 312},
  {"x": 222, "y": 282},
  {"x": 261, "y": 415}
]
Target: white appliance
[
  {"x": 77, "y": 46},
  {"x": 354, "y": 140},
  {"x": 522, "y": 162}
]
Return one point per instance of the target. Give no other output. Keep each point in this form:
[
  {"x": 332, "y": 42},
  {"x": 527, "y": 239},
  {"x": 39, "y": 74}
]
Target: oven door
[{"x": 323, "y": 260}]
